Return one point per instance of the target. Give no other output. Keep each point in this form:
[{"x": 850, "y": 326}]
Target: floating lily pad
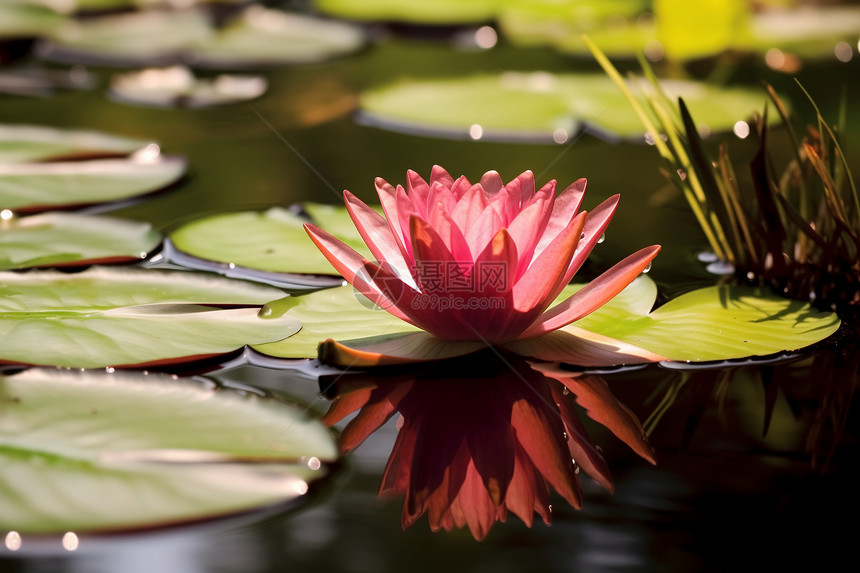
[
  {"x": 272, "y": 241},
  {"x": 258, "y": 37},
  {"x": 413, "y": 11},
  {"x": 20, "y": 143},
  {"x": 69, "y": 239},
  {"x": 32, "y": 187},
  {"x": 263, "y": 37},
  {"x": 176, "y": 86},
  {"x": 129, "y": 39},
  {"x": 809, "y": 31},
  {"x": 714, "y": 323},
  {"x": 130, "y": 317},
  {"x": 707, "y": 324},
  {"x": 98, "y": 452},
  {"x": 37, "y": 82},
  {"x": 539, "y": 106},
  {"x": 20, "y": 20}
]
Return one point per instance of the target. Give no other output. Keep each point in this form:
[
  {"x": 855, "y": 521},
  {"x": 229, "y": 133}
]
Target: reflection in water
[{"x": 483, "y": 436}]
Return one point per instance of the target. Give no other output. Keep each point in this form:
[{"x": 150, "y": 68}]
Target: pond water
[{"x": 756, "y": 463}]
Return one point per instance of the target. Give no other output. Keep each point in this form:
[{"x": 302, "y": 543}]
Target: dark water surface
[{"x": 723, "y": 495}]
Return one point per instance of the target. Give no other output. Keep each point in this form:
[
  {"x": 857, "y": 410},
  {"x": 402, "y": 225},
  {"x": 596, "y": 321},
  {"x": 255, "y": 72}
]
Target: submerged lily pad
[
  {"x": 539, "y": 106},
  {"x": 272, "y": 241},
  {"x": 717, "y": 323},
  {"x": 176, "y": 86},
  {"x": 33, "y": 187},
  {"x": 69, "y": 239},
  {"x": 131, "y": 317},
  {"x": 99, "y": 452},
  {"x": 20, "y": 143}
]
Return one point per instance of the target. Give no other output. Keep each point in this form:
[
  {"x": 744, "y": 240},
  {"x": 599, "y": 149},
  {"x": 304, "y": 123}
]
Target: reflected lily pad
[
  {"x": 70, "y": 239},
  {"x": 539, "y": 106},
  {"x": 263, "y": 37},
  {"x": 716, "y": 323},
  {"x": 20, "y": 143},
  {"x": 176, "y": 86},
  {"x": 272, "y": 242},
  {"x": 131, "y": 317},
  {"x": 33, "y": 187},
  {"x": 98, "y": 452}
]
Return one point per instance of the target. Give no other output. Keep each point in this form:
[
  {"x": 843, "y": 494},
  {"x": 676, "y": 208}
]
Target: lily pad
[
  {"x": 538, "y": 106},
  {"x": 131, "y": 317},
  {"x": 272, "y": 241},
  {"x": 128, "y": 39},
  {"x": 105, "y": 452},
  {"x": 69, "y": 239},
  {"x": 33, "y": 187},
  {"x": 264, "y": 37},
  {"x": 716, "y": 323},
  {"x": 20, "y": 20},
  {"x": 413, "y": 11},
  {"x": 257, "y": 37},
  {"x": 176, "y": 86},
  {"x": 20, "y": 143}
]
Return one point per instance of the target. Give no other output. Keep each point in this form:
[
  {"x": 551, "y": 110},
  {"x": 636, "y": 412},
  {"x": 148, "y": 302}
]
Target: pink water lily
[{"x": 481, "y": 263}]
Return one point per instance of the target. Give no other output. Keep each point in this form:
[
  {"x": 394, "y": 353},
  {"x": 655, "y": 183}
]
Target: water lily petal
[
  {"x": 469, "y": 209},
  {"x": 564, "y": 209},
  {"x": 418, "y": 192},
  {"x": 595, "y": 224},
  {"x": 378, "y": 236},
  {"x": 531, "y": 293},
  {"x": 529, "y": 225},
  {"x": 595, "y": 294},
  {"x": 398, "y": 209},
  {"x": 345, "y": 404},
  {"x": 491, "y": 182},
  {"x": 354, "y": 268}
]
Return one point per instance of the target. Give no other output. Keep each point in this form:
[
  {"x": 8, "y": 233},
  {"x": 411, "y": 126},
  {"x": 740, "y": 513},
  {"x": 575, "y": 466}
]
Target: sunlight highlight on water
[
  {"x": 70, "y": 541},
  {"x": 13, "y": 541}
]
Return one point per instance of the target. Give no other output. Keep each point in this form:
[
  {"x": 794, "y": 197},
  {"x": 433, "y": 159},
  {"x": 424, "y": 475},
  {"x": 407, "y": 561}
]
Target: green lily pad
[
  {"x": 810, "y": 32},
  {"x": 413, "y": 11},
  {"x": 340, "y": 313},
  {"x": 176, "y": 86},
  {"x": 257, "y": 37},
  {"x": 539, "y": 106},
  {"x": 129, "y": 39},
  {"x": 263, "y": 37},
  {"x": 716, "y": 323},
  {"x": 32, "y": 187},
  {"x": 105, "y": 452},
  {"x": 131, "y": 317},
  {"x": 20, "y": 20},
  {"x": 20, "y": 143},
  {"x": 272, "y": 242},
  {"x": 69, "y": 239}
]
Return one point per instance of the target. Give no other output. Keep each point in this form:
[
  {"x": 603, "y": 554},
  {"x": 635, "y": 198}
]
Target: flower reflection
[{"x": 493, "y": 439}]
